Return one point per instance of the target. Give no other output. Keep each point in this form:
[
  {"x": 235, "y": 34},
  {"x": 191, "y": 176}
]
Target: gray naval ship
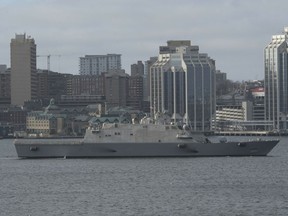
[{"x": 147, "y": 138}]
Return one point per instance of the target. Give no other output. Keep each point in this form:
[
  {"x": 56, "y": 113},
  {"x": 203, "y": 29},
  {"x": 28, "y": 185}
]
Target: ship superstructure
[{"x": 148, "y": 138}]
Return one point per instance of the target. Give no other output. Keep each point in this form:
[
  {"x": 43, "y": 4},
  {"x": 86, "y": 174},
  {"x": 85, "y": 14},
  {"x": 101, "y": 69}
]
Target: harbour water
[{"x": 144, "y": 186}]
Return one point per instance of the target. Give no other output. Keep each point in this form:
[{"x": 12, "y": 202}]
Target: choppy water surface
[{"x": 144, "y": 186}]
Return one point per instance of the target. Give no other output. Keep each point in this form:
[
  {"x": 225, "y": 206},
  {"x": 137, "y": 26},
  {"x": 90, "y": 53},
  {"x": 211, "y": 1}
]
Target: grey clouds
[{"x": 232, "y": 32}]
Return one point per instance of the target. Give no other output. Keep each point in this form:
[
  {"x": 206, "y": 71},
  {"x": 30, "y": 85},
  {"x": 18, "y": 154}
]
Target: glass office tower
[
  {"x": 276, "y": 80},
  {"x": 182, "y": 84}
]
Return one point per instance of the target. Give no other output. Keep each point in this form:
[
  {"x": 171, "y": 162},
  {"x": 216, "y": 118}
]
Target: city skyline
[{"x": 234, "y": 33}]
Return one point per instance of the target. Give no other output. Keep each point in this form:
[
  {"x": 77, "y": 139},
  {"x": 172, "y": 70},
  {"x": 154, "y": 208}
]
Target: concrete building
[
  {"x": 136, "y": 86},
  {"x": 116, "y": 89},
  {"x": 135, "y": 92},
  {"x": 15, "y": 116},
  {"x": 76, "y": 101},
  {"x": 57, "y": 121},
  {"x": 69, "y": 84},
  {"x": 23, "y": 69},
  {"x": 5, "y": 85},
  {"x": 228, "y": 117},
  {"x": 137, "y": 69},
  {"x": 49, "y": 122},
  {"x": 220, "y": 76},
  {"x": 276, "y": 80},
  {"x": 243, "y": 111},
  {"x": 3, "y": 68},
  {"x": 88, "y": 84},
  {"x": 255, "y": 92},
  {"x": 240, "y": 118},
  {"x": 182, "y": 83},
  {"x": 97, "y": 64},
  {"x": 40, "y": 123},
  {"x": 51, "y": 85}
]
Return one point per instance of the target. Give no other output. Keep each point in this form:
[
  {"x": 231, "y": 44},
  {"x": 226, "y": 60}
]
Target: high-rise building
[
  {"x": 182, "y": 84},
  {"x": 23, "y": 69},
  {"x": 3, "y": 68},
  {"x": 220, "y": 76},
  {"x": 5, "y": 87},
  {"x": 116, "y": 89},
  {"x": 136, "y": 86},
  {"x": 51, "y": 85},
  {"x": 135, "y": 92},
  {"x": 276, "y": 80},
  {"x": 137, "y": 69},
  {"x": 97, "y": 64}
]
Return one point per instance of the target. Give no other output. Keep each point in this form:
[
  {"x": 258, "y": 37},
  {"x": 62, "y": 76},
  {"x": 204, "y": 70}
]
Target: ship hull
[{"x": 79, "y": 149}]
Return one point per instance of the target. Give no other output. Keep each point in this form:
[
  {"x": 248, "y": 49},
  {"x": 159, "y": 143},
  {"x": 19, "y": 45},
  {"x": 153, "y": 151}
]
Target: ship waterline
[
  {"x": 94, "y": 150},
  {"x": 140, "y": 140}
]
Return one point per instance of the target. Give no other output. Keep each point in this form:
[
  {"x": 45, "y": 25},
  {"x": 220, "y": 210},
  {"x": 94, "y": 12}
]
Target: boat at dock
[{"x": 148, "y": 138}]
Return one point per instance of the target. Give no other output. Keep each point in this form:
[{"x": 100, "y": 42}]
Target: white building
[
  {"x": 276, "y": 80},
  {"x": 97, "y": 64}
]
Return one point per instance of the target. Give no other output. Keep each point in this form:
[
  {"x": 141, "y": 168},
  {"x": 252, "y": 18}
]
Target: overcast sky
[{"x": 232, "y": 32}]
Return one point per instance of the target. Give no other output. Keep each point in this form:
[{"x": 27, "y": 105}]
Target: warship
[{"x": 146, "y": 138}]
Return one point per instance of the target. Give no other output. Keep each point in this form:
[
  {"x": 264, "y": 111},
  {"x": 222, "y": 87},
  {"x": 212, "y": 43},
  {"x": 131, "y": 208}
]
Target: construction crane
[{"x": 48, "y": 59}]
